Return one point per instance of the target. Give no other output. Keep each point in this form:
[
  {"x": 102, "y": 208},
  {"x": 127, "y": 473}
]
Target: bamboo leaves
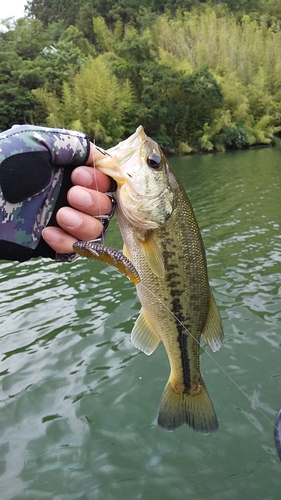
[
  {"x": 201, "y": 79},
  {"x": 94, "y": 102}
]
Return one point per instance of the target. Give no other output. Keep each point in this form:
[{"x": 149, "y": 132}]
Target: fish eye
[{"x": 153, "y": 161}]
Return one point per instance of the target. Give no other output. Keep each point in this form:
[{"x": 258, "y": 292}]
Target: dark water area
[{"x": 78, "y": 402}]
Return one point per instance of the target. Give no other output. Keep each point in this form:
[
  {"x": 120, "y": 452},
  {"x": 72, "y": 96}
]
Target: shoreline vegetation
[{"x": 199, "y": 76}]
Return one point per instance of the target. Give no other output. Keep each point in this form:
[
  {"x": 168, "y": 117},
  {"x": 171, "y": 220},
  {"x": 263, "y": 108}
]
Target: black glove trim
[
  {"x": 43, "y": 249},
  {"x": 25, "y": 174},
  {"x": 14, "y": 251}
]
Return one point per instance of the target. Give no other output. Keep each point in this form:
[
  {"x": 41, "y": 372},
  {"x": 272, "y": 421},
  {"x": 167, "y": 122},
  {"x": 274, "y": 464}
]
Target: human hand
[{"x": 87, "y": 200}]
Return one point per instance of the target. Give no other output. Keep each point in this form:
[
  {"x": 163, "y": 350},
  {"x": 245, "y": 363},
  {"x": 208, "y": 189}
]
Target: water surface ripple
[{"x": 79, "y": 403}]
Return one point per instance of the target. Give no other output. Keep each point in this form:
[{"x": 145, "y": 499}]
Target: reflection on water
[{"x": 79, "y": 403}]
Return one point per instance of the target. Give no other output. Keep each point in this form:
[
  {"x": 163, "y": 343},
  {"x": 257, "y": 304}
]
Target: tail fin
[{"x": 196, "y": 411}]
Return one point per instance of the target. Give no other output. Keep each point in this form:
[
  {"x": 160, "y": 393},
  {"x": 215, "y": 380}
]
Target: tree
[
  {"x": 16, "y": 101},
  {"x": 203, "y": 96},
  {"x": 50, "y": 11},
  {"x": 172, "y": 106},
  {"x": 93, "y": 101},
  {"x": 134, "y": 53},
  {"x": 26, "y": 38}
]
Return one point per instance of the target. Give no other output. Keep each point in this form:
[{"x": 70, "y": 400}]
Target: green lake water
[{"x": 78, "y": 403}]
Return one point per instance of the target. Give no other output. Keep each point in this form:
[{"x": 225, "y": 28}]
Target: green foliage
[
  {"x": 51, "y": 11},
  {"x": 95, "y": 102},
  {"x": 198, "y": 75},
  {"x": 243, "y": 57},
  {"x": 15, "y": 100},
  {"x": 105, "y": 38},
  {"x": 134, "y": 54},
  {"x": 203, "y": 98},
  {"x": 27, "y": 39},
  {"x": 236, "y": 137}
]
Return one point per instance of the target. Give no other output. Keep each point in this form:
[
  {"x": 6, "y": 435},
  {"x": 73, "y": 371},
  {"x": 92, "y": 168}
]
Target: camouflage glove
[{"x": 33, "y": 185}]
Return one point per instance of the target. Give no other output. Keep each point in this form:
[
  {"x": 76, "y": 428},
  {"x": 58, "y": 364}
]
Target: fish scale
[{"x": 163, "y": 243}]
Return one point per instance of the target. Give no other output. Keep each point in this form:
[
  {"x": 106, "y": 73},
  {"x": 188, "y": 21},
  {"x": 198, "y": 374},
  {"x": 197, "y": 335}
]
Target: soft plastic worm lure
[{"x": 95, "y": 250}]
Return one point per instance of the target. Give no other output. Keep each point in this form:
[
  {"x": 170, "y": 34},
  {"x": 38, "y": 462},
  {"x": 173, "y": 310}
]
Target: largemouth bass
[{"x": 163, "y": 242}]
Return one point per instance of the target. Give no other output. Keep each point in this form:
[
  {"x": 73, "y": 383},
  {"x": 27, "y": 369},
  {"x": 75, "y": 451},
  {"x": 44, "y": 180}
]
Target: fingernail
[
  {"x": 83, "y": 176},
  {"x": 79, "y": 197},
  {"x": 67, "y": 217},
  {"x": 51, "y": 234}
]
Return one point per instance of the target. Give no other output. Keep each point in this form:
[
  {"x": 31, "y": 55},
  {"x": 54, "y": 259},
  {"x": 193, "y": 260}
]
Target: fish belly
[{"x": 176, "y": 309}]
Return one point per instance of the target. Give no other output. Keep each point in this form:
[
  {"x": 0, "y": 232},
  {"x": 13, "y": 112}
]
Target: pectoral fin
[
  {"x": 126, "y": 252},
  {"x": 143, "y": 336},
  {"x": 153, "y": 256},
  {"x": 213, "y": 329}
]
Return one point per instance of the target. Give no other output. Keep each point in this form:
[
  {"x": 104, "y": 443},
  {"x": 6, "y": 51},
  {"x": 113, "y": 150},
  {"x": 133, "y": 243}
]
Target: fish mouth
[{"x": 129, "y": 145}]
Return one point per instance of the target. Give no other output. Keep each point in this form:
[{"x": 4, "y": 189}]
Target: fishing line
[
  {"x": 205, "y": 350},
  {"x": 96, "y": 184},
  {"x": 103, "y": 218},
  {"x": 188, "y": 331}
]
